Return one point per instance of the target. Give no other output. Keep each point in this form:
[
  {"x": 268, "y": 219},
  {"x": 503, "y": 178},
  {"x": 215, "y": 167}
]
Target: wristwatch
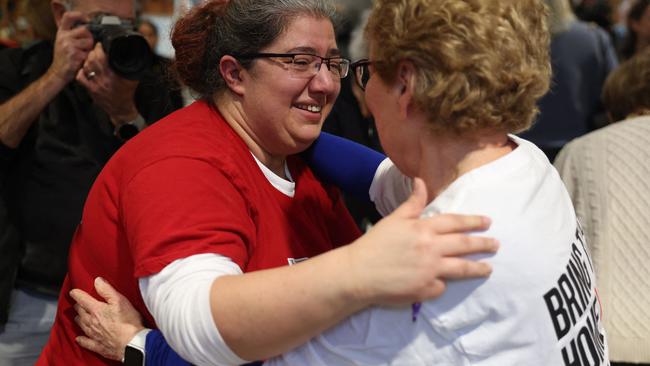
[
  {"x": 127, "y": 130},
  {"x": 134, "y": 353}
]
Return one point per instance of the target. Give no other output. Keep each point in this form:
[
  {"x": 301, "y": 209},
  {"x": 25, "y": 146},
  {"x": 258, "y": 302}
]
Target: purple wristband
[{"x": 415, "y": 310}]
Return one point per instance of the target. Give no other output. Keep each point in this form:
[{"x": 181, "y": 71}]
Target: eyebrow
[{"x": 333, "y": 52}]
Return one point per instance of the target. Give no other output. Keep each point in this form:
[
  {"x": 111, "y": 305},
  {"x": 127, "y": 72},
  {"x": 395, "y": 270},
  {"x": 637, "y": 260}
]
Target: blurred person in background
[
  {"x": 582, "y": 55},
  {"x": 608, "y": 177},
  {"x": 26, "y": 22},
  {"x": 348, "y": 15},
  {"x": 598, "y": 12},
  {"x": 150, "y": 32},
  {"x": 7, "y": 10},
  {"x": 62, "y": 113},
  {"x": 638, "y": 29}
]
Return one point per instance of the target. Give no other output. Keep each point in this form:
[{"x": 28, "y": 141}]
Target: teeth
[{"x": 311, "y": 108}]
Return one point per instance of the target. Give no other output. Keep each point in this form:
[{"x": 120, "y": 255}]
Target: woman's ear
[
  {"x": 406, "y": 82},
  {"x": 232, "y": 73}
]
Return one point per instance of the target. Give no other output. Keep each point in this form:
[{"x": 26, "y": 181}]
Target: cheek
[{"x": 372, "y": 99}]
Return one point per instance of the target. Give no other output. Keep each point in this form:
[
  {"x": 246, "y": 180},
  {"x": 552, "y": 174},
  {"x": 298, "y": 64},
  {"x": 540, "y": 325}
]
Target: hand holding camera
[
  {"x": 71, "y": 48},
  {"x": 112, "y": 93},
  {"x": 128, "y": 52},
  {"x": 111, "y": 69}
]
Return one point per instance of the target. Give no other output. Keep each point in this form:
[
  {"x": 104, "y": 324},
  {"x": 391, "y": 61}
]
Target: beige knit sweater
[{"x": 607, "y": 174}]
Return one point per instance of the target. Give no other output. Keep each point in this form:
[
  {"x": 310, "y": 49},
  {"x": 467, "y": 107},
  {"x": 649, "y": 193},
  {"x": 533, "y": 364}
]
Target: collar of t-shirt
[{"x": 287, "y": 187}]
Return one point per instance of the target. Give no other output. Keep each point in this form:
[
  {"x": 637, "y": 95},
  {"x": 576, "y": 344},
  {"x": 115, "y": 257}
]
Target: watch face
[
  {"x": 133, "y": 356},
  {"x": 126, "y": 131}
]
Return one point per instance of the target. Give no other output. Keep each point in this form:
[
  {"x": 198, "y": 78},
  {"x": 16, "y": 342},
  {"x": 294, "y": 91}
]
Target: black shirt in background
[{"x": 44, "y": 182}]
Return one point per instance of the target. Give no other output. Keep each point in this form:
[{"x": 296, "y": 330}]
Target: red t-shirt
[{"x": 189, "y": 185}]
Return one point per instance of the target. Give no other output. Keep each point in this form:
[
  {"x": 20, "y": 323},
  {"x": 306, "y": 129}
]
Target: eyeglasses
[
  {"x": 362, "y": 73},
  {"x": 305, "y": 65}
]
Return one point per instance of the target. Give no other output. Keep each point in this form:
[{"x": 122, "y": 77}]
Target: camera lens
[{"x": 129, "y": 55}]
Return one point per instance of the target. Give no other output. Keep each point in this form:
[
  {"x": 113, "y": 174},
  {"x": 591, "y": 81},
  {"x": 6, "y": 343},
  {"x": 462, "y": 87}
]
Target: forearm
[
  {"x": 18, "y": 113},
  {"x": 265, "y": 313}
]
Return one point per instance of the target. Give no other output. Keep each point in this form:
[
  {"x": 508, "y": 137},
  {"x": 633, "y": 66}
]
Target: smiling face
[{"x": 284, "y": 113}]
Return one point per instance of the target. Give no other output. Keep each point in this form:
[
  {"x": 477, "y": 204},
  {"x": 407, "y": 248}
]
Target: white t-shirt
[{"x": 539, "y": 306}]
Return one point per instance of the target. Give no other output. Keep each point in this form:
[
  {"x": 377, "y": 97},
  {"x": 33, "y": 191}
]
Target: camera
[{"x": 128, "y": 52}]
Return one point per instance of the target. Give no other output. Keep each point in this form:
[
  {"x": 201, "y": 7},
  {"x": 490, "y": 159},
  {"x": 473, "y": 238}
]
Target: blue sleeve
[
  {"x": 344, "y": 163},
  {"x": 159, "y": 353}
]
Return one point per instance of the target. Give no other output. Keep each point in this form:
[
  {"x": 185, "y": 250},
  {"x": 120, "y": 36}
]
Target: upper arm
[
  {"x": 178, "y": 298},
  {"x": 179, "y": 207},
  {"x": 389, "y": 188}
]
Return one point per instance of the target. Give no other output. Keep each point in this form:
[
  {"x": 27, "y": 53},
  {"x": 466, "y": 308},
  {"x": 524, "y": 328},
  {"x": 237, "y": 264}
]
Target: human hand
[
  {"x": 108, "y": 326},
  {"x": 71, "y": 46},
  {"x": 404, "y": 258},
  {"x": 112, "y": 93}
]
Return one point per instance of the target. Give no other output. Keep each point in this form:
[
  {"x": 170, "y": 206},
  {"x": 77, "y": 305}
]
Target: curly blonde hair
[{"x": 481, "y": 64}]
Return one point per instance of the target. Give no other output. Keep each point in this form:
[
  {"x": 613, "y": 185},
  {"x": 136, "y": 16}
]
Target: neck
[
  {"x": 232, "y": 111},
  {"x": 445, "y": 158}
]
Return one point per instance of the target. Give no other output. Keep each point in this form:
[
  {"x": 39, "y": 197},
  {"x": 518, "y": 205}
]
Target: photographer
[{"x": 64, "y": 110}]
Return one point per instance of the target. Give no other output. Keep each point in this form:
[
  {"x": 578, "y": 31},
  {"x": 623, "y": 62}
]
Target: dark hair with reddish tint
[{"x": 221, "y": 27}]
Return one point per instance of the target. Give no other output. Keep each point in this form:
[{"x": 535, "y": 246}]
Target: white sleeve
[
  {"x": 178, "y": 297},
  {"x": 389, "y": 188}
]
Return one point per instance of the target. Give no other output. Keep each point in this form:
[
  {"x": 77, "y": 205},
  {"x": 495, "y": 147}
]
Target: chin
[{"x": 302, "y": 141}]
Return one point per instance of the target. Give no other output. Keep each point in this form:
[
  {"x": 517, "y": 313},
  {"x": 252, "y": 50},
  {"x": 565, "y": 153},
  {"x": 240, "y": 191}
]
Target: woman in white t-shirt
[{"x": 448, "y": 83}]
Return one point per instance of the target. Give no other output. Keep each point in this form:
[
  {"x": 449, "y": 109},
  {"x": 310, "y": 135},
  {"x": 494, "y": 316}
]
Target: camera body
[{"x": 129, "y": 54}]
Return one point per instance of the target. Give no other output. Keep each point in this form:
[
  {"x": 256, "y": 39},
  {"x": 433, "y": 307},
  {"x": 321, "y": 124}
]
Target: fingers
[
  {"x": 437, "y": 288},
  {"x": 453, "y": 223},
  {"x": 453, "y": 268},
  {"x": 413, "y": 207},
  {"x": 70, "y": 19},
  {"x": 82, "y": 78},
  {"x": 80, "y": 33},
  {"x": 106, "y": 291},
  {"x": 461, "y": 245},
  {"x": 95, "y": 66},
  {"x": 84, "y": 300},
  {"x": 83, "y": 314},
  {"x": 96, "y": 60}
]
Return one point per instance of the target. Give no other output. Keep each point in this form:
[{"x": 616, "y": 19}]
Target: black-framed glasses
[
  {"x": 305, "y": 65},
  {"x": 362, "y": 71}
]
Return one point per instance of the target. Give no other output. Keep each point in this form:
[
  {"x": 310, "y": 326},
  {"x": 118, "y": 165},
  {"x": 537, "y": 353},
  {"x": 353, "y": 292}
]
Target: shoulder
[
  {"x": 19, "y": 66},
  {"x": 584, "y": 35},
  {"x": 14, "y": 60},
  {"x": 196, "y": 132}
]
